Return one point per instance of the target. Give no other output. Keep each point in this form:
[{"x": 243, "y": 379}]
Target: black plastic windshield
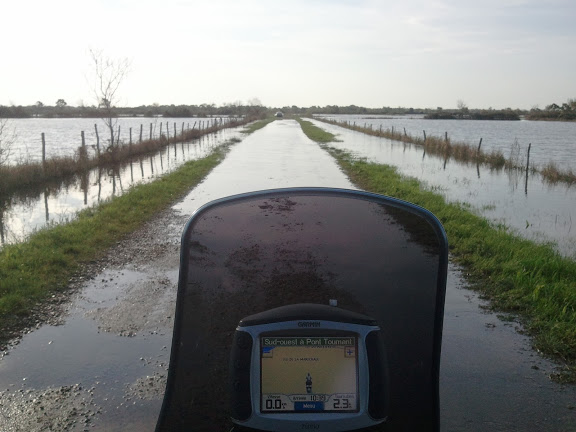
[{"x": 376, "y": 256}]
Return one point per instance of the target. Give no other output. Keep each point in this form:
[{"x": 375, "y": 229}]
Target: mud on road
[{"x": 62, "y": 377}]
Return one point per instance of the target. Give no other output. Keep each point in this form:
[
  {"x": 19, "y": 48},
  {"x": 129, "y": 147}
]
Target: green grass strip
[
  {"x": 43, "y": 264},
  {"x": 315, "y": 133},
  {"x": 253, "y": 127},
  {"x": 518, "y": 276}
]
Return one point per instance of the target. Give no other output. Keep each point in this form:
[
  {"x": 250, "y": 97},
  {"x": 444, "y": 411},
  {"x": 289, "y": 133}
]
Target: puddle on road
[
  {"x": 112, "y": 350},
  {"x": 490, "y": 380}
]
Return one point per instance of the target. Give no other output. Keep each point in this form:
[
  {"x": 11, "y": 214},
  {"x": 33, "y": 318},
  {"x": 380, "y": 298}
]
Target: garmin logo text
[
  {"x": 309, "y": 324},
  {"x": 310, "y": 426}
]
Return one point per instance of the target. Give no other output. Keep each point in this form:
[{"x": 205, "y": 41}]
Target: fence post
[
  {"x": 424, "y": 136},
  {"x": 527, "y": 165},
  {"x": 97, "y": 139},
  {"x": 43, "y": 150},
  {"x": 479, "y": 145},
  {"x": 118, "y": 137},
  {"x": 174, "y": 130},
  {"x": 150, "y": 131},
  {"x": 130, "y": 142}
]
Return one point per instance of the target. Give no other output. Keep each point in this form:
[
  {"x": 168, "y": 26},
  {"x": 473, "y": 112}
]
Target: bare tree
[
  {"x": 108, "y": 75},
  {"x": 462, "y": 107}
]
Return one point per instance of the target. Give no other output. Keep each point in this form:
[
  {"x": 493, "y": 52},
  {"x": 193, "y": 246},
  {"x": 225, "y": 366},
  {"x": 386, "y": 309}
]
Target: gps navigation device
[{"x": 308, "y": 367}]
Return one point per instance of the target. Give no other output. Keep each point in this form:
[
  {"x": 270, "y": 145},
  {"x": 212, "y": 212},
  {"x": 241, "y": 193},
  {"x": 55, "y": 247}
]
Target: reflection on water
[
  {"x": 24, "y": 214},
  {"x": 63, "y": 135},
  {"x": 551, "y": 141},
  {"x": 534, "y": 209}
]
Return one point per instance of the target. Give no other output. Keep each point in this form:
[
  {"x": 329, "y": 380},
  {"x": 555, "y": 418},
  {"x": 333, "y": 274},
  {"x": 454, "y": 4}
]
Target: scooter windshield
[{"x": 246, "y": 254}]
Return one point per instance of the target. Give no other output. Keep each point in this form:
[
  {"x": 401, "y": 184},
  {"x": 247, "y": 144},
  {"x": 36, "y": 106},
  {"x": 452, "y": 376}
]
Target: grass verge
[
  {"x": 315, "y": 133},
  {"x": 253, "y": 127},
  {"x": 44, "y": 264},
  {"x": 518, "y": 276},
  {"x": 529, "y": 280}
]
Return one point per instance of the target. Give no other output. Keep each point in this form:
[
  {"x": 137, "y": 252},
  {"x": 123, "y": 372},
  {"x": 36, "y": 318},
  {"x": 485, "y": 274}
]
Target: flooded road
[{"x": 104, "y": 366}]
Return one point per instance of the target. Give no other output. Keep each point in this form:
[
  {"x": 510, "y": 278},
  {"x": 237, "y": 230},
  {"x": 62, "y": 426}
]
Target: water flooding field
[
  {"x": 31, "y": 210},
  {"x": 103, "y": 368},
  {"x": 532, "y": 207},
  {"x": 551, "y": 141},
  {"x": 62, "y": 136}
]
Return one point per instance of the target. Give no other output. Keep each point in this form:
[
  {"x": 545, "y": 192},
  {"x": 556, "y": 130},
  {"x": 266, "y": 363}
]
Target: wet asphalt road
[{"x": 104, "y": 366}]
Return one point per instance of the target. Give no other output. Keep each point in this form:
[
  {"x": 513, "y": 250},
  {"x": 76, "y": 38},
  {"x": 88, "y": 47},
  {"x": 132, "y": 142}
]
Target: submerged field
[
  {"x": 518, "y": 276},
  {"x": 32, "y": 270}
]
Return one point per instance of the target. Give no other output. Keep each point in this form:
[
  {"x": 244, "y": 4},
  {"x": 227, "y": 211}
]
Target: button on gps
[{"x": 308, "y": 406}]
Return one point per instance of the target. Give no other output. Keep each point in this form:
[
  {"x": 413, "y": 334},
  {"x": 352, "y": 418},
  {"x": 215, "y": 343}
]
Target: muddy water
[
  {"x": 534, "y": 209},
  {"x": 103, "y": 368}
]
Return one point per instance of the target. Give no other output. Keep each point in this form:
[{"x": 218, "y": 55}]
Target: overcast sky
[{"x": 417, "y": 53}]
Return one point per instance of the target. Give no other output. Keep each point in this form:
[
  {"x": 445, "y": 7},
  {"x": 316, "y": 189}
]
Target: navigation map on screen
[{"x": 309, "y": 374}]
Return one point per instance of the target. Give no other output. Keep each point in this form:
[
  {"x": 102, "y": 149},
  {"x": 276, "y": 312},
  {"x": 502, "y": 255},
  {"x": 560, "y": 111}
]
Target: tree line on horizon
[
  {"x": 61, "y": 109},
  {"x": 564, "y": 112}
]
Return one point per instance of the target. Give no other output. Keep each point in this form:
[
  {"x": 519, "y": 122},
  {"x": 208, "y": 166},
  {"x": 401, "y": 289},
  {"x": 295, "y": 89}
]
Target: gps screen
[{"x": 309, "y": 374}]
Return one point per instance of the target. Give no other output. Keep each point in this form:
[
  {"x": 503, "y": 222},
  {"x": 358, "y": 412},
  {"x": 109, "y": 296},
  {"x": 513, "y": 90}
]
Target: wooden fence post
[
  {"x": 97, "y": 139},
  {"x": 527, "y": 166},
  {"x": 479, "y": 145},
  {"x": 130, "y": 142},
  {"x": 150, "y": 131},
  {"x": 43, "y": 150}
]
